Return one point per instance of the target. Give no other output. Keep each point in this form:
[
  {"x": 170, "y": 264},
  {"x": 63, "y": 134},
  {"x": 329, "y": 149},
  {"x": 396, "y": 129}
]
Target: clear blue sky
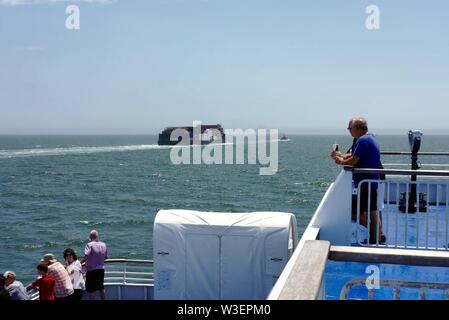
[{"x": 137, "y": 66}]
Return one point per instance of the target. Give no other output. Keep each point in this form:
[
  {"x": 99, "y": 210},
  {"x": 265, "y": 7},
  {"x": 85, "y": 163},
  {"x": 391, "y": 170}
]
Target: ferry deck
[{"x": 334, "y": 258}]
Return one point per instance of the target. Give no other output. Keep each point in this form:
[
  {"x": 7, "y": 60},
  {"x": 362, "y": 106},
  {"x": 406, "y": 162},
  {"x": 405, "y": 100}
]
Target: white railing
[
  {"x": 418, "y": 223},
  {"x": 127, "y": 271},
  {"x": 396, "y": 285},
  {"x": 422, "y": 224},
  {"x": 33, "y": 294},
  {"x": 123, "y": 272}
]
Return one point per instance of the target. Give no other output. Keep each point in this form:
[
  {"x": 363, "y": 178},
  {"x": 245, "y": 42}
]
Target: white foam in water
[
  {"x": 73, "y": 150},
  {"x": 39, "y": 151}
]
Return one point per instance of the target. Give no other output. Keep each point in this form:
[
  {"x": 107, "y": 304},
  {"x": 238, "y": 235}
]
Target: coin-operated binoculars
[{"x": 414, "y": 204}]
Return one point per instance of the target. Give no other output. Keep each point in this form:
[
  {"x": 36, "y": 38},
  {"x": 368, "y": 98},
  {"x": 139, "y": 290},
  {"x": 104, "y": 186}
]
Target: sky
[{"x": 137, "y": 66}]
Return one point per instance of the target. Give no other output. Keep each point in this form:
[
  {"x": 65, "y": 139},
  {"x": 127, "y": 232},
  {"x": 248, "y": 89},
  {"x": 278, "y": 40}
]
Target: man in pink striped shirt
[{"x": 63, "y": 284}]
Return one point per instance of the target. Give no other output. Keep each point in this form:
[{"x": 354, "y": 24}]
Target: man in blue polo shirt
[{"x": 366, "y": 154}]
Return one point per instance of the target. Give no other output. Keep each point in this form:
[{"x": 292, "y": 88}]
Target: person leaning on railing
[
  {"x": 45, "y": 283},
  {"x": 63, "y": 283},
  {"x": 365, "y": 154},
  {"x": 95, "y": 253},
  {"x": 15, "y": 288}
]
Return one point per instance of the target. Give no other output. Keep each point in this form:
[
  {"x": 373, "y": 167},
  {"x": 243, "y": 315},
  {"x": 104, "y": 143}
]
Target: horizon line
[{"x": 286, "y": 132}]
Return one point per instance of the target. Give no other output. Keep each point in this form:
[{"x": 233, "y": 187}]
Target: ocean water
[{"x": 55, "y": 189}]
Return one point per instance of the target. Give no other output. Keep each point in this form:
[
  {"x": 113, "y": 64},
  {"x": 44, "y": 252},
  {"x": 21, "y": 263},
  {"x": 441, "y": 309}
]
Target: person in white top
[{"x": 75, "y": 270}]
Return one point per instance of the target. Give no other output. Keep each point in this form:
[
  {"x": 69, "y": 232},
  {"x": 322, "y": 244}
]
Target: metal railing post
[
  {"x": 124, "y": 273},
  {"x": 397, "y": 293},
  {"x": 422, "y": 293},
  {"x": 370, "y": 294},
  {"x": 368, "y": 214},
  {"x": 437, "y": 216},
  {"x": 447, "y": 216},
  {"x": 406, "y": 213},
  {"x": 398, "y": 185},
  {"x": 427, "y": 220},
  {"x": 386, "y": 212},
  {"x": 417, "y": 216},
  {"x": 358, "y": 214}
]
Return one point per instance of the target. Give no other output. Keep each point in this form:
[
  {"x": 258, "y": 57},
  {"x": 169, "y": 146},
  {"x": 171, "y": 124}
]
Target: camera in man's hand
[{"x": 334, "y": 151}]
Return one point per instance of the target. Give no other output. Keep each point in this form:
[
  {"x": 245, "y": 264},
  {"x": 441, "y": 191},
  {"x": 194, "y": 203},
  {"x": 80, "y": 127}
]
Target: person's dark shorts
[
  {"x": 95, "y": 280},
  {"x": 78, "y": 295},
  {"x": 364, "y": 201}
]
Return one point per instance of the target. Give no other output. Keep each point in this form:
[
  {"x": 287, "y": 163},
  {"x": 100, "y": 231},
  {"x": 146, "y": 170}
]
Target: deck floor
[
  {"x": 424, "y": 229},
  {"x": 337, "y": 274}
]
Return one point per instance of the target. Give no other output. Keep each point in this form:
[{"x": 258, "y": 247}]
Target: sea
[{"x": 55, "y": 189}]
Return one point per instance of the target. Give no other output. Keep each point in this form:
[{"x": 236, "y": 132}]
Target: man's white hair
[
  {"x": 94, "y": 234},
  {"x": 360, "y": 123}
]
